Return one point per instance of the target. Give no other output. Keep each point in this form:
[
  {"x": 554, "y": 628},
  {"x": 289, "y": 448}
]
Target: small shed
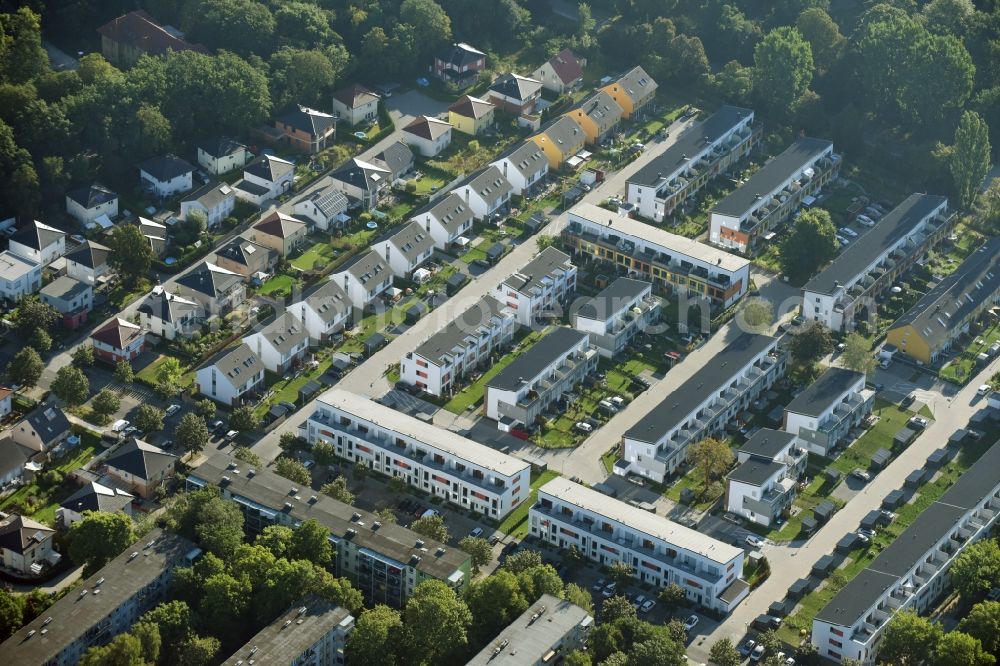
[
  {"x": 894, "y": 500},
  {"x": 809, "y": 525},
  {"x": 339, "y": 366},
  {"x": 776, "y": 414},
  {"x": 915, "y": 478},
  {"x": 832, "y": 475},
  {"x": 903, "y": 437},
  {"x": 374, "y": 342},
  {"x": 881, "y": 458},
  {"x": 780, "y": 608},
  {"x": 958, "y": 437},
  {"x": 824, "y": 565},
  {"x": 309, "y": 389},
  {"x": 687, "y": 495},
  {"x": 535, "y": 223},
  {"x": 276, "y": 412},
  {"x": 847, "y": 543},
  {"x": 414, "y": 313},
  {"x": 455, "y": 282},
  {"x": 824, "y": 510},
  {"x": 494, "y": 252},
  {"x": 572, "y": 195},
  {"x": 872, "y": 519},
  {"x": 800, "y": 588},
  {"x": 938, "y": 458}
]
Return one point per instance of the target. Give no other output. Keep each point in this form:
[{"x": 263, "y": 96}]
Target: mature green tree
[
  {"x": 174, "y": 619},
  {"x": 723, "y": 653},
  {"x": 300, "y": 76},
  {"x": 769, "y": 640},
  {"x": 734, "y": 82},
  {"x": 247, "y": 455},
  {"x": 197, "y": 651},
  {"x": 240, "y": 26},
  {"x": 757, "y": 314},
  {"x": 431, "y": 25},
  {"x": 579, "y": 595},
  {"x": 977, "y": 569},
  {"x": 276, "y": 538},
  {"x": 253, "y": 561},
  {"x": 983, "y": 622},
  {"x": 811, "y": 244},
  {"x": 956, "y": 647},
  {"x": 83, "y": 356},
  {"x": 432, "y": 527},
  {"x": 857, "y": 354},
  {"x": 480, "y": 550},
  {"x": 292, "y": 469},
  {"x": 543, "y": 579},
  {"x": 192, "y": 433},
  {"x": 40, "y": 340},
  {"x": 302, "y": 24},
  {"x": 124, "y": 372},
  {"x": 18, "y": 179},
  {"x": 948, "y": 17},
  {"x": 712, "y": 458},
  {"x": 99, "y": 537},
  {"x": 522, "y": 561},
  {"x": 105, "y": 403},
  {"x": 823, "y": 35},
  {"x": 224, "y": 600},
  {"x": 783, "y": 70},
  {"x": 673, "y": 597},
  {"x": 785, "y": 11},
  {"x": 206, "y": 408},
  {"x": 25, "y": 368},
  {"x": 908, "y": 639},
  {"x": 149, "y": 418},
  {"x": 243, "y": 419},
  {"x": 494, "y": 601},
  {"x": 585, "y": 26},
  {"x": 376, "y": 636},
  {"x": 338, "y": 490},
  {"x": 659, "y": 650},
  {"x": 33, "y": 314},
  {"x": 11, "y": 614},
  {"x": 22, "y": 57},
  {"x": 311, "y": 541},
  {"x": 387, "y": 516},
  {"x": 71, "y": 385},
  {"x": 150, "y": 640},
  {"x": 940, "y": 81},
  {"x": 219, "y": 526},
  {"x": 169, "y": 371},
  {"x": 437, "y": 623},
  {"x": 324, "y": 454},
  {"x": 969, "y": 158},
  {"x": 131, "y": 254},
  {"x": 810, "y": 342},
  {"x": 123, "y": 650},
  {"x": 616, "y": 608}
]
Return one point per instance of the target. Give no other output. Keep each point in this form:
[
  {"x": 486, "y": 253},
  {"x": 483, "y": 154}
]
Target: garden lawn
[
  {"x": 288, "y": 390},
  {"x": 148, "y": 374},
  {"x": 473, "y": 393},
  {"x": 963, "y": 367},
  {"x": 44, "y": 510},
  {"x": 891, "y": 419},
  {"x": 516, "y": 522},
  {"x": 319, "y": 252},
  {"x": 279, "y": 284}
]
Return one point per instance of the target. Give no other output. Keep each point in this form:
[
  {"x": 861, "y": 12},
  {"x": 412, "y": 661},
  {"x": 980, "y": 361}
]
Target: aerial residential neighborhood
[{"x": 521, "y": 332}]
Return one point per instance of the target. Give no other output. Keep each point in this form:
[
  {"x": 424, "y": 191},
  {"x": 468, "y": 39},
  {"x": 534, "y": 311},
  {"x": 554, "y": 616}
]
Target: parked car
[
  {"x": 639, "y": 601},
  {"x": 908, "y": 400},
  {"x": 754, "y": 541},
  {"x": 647, "y": 606},
  {"x": 757, "y": 653},
  {"x": 476, "y": 532},
  {"x": 861, "y": 474},
  {"x": 918, "y": 422},
  {"x": 216, "y": 426},
  {"x": 609, "y": 590},
  {"x": 888, "y": 515},
  {"x": 583, "y": 426},
  {"x": 731, "y": 518},
  {"x": 985, "y": 389},
  {"x": 599, "y": 585},
  {"x": 172, "y": 409},
  {"x": 309, "y": 464},
  {"x": 691, "y": 622},
  {"x": 865, "y": 220},
  {"x": 494, "y": 540},
  {"x": 865, "y": 532},
  {"x": 747, "y": 647},
  {"x": 848, "y": 232},
  {"x": 862, "y": 538}
]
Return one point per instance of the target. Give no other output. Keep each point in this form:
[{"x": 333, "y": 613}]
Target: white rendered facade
[
  {"x": 541, "y": 286},
  {"x": 821, "y": 423},
  {"x": 616, "y": 315}
]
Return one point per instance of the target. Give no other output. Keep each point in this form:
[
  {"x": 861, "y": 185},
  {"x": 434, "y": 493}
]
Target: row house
[
  {"x": 168, "y": 316},
  {"x": 364, "y": 278},
  {"x": 632, "y": 91},
  {"x": 763, "y": 485},
  {"x": 772, "y": 194},
  {"x": 524, "y": 166},
  {"x": 703, "y": 406},
  {"x": 437, "y": 461},
  {"x": 673, "y": 264},
  {"x": 560, "y": 140},
  {"x": 406, "y": 249},
  {"x": 849, "y": 286},
  {"x": 232, "y": 376},
  {"x": 616, "y": 315},
  {"x": 281, "y": 345},
  {"x": 597, "y": 116},
  {"x": 659, "y": 551},
  {"x": 539, "y": 288},
  {"x": 823, "y": 415},
  {"x": 486, "y": 192},
  {"x": 697, "y": 156}
]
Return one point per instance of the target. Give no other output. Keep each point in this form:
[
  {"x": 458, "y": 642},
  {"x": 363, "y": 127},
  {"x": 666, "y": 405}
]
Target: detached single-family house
[
  {"x": 217, "y": 290},
  {"x": 168, "y": 315},
  {"x": 428, "y": 135},
  {"x": 397, "y": 159},
  {"x": 514, "y": 94},
  {"x": 26, "y": 546},
  {"x": 561, "y": 73},
  {"x": 486, "y": 192},
  {"x": 445, "y": 220},
  {"x": 459, "y": 65},
  {"x": 281, "y": 344},
  {"x": 363, "y": 278},
  {"x": 471, "y": 115},
  {"x": 155, "y": 234},
  {"x": 118, "y": 340},
  {"x": 222, "y": 155},
  {"x": 19, "y": 277},
  {"x": 267, "y": 177},
  {"x": 246, "y": 257},
  {"x": 42, "y": 429},
  {"x": 597, "y": 115},
  {"x": 13, "y": 457},
  {"x": 355, "y": 104},
  {"x": 231, "y": 376},
  {"x": 560, "y": 139},
  {"x": 88, "y": 262},
  {"x": 282, "y": 233},
  {"x": 71, "y": 298},
  {"x": 323, "y": 312},
  {"x": 632, "y": 90},
  {"x": 126, "y": 38},
  {"x": 93, "y": 496},
  {"x": 305, "y": 129},
  {"x": 215, "y": 200},
  {"x": 406, "y": 249},
  {"x": 140, "y": 466},
  {"x": 89, "y": 202},
  {"x": 166, "y": 176},
  {"x": 524, "y": 166},
  {"x": 362, "y": 181},
  {"x": 325, "y": 207},
  {"x": 39, "y": 243}
]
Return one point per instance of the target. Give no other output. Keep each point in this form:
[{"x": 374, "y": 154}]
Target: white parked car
[
  {"x": 583, "y": 426},
  {"x": 847, "y": 231},
  {"x": 865, "y": 220},
  {"x": 691, "y": 622},
  {"x": 985, "y": 389},
  {"x": 172, "y": 409},
  {"x": 754, "y": 541},
  {"x": 647, "y": 606}
]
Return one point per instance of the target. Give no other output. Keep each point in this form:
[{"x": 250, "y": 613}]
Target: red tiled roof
[
  {"x": 117, "y": 333},
  {"x": 279, "y": 225},
  {"x": 140, "y": 30},
  {"x": 468, "y": 106},
  {"x": 355, "y": 96},
  {"x": 567, "y": 66}
]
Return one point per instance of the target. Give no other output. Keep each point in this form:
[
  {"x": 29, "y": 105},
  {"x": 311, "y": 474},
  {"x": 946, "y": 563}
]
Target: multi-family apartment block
[
  {"x": 617, "y": 314},
  {"x": 437, "y": 461},
  {"x": 314, "y": 633},
  {"x": 850, "y": 284},
  {"x": 659, "y": 551},
  {"x": 702, "y": 406},
  {"x": 824, "y": 414},
  {"x": 762, "y": 487},
  {"x": 771, "y": 194},
  {"x": 697, "y": 156},
  {"x": 673, "y": 263},
  {"x": 539, "y": 287}
]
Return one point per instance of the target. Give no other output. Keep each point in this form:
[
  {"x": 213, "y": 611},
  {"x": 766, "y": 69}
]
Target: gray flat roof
[
  {"x": 678, "y": 405},
  {"x": 976, "y": 483},
  {"x": 860, "y": 254},
  {"x": 771, "y": 175},
  {"x": 530, "y": 638},
  {"x": 530, "y": 363},
  {"x": 278, "y": 643},
  {"x": 688, "y": 144},
  {"x": 909, "y": 547},
  {"x": 767, "y": 443},
  {"x": 440, "y": 345},
  {"x": 856, "y": 598},
  {"x": 825, "y": 391},
  {"x": 755, "y": 471},
  {"x": 548, "y": 263},
  {"x": 612, "y": 298}
]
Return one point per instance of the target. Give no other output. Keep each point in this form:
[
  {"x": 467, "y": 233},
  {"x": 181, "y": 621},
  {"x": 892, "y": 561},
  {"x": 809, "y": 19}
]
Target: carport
[
  {"x": 937, "y": 458},
  {"x": 871, "y": 519},
  {"x": 310, "y": 389},
  {"x": 881, "y": 458},
  {"x": 903, "y": 437},
  {"x": 915, "y": 478},
  {"x": 894, "y": 500},
  {"x": 824, "y": 565},
  {"x": 374, "y": 342},
  {"x": 824, "y": 510},
  {"x": 534, "y": 223}
]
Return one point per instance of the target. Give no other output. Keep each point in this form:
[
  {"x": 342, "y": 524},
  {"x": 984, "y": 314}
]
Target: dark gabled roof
[
  {"x": 279, "y": 225},
  {"x": 117, "y": 333},
  {"x": 766, "y": 179},
  {"x": 637, "y": 83},
  {"x": 460, "y": 331},
  {"x": 678, "y": 405},
  {"x": 539, "y": 356},
  {"x": 860, "y": 254},
  {"x": 236, "y": 361},
  {"x": 689, "y": 144},
  {"x": 364, "y": 175},
  {"x": 460, "y": 55},
  {"x": 397, "y": 157},
  {"x": 18, "y": 533},
  {"x": 166, "y": 167},
  {"x": 450, "y": 211},
  {"x": 549, "y": 262},
  {"x": 767, "y": 443},
  {"x": 139, "y": 30},
  {"x": 310, "y": 121},
  {"x": 94, "y": 496},
  {"x": 488, "y": 183},
  {"x": 285, "y": 333},
  {"x": 428, "y": 127},
  {"x": 89, "y": 254},
  {"x": 246, "y": 253},
  {"x": 950, "y": 302},
  {"x": 329, "y": 301},
  {"x": 411, "y": 240},
  {"x": 516, "y": 87},
  {"x": 211, "y": 195},
  {"x": 48, "y": 421},
  {"x": 37, "y": 236},
  {"x": 756, "y": 472},
  {"x": 221, "y": 147},
  {"x": 825, "y": 391},
  {"x": 468, "y": 106},
  {"x": 527, "y": 157},
  {"x": 564, "y": 132},
  {"x": 566, "y": 65},
  {"x": 329, "y": 200},
  {"x": 366, "y": 266},
  {"x": 91, "y": 196},
  {"x": 269, "y": 168},
  {"x": 12, "y": 455},
  {"x": 209, "y": 279},
  {"x": 355, "y": 96},
  {"x": 163, "y": 305},
  {"x": 612, "y": 298}
]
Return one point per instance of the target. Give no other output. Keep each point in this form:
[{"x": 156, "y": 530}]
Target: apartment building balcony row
[
  {"x": 692, "y": 178},
  {"x": 780, "y": 205}
]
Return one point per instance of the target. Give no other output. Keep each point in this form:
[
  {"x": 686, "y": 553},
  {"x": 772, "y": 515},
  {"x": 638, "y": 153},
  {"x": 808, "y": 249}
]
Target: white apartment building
[
  {"x": 697, "y": 156},
  {"x": 660, "y": 552},
  {"x": 323, "y": 312},
  {"x": 364, "y": 278},
  {"x": 549, "y": 369},
  {"x": 702, "y": 406},
  {"x": 524, "y": 166},
  {"x": 870, "y": 264},
  {"x": 823, "y": 415},
  {"x": 772, "y": 193},
  {"x": 445, "y": 220},
  {"x": 434, "y": 460},
  {"x": 280, "y": 345},
  {"x": 762, "y": 487},
  {"x": 617, "y": 314},
  {"x": 468, "y": 342},
  {"x": 486, "y": 192},
  {"x": 912, "y": 572},
  {"x": 406, "y": 249},
  {"x": 538, "y": 288}
]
